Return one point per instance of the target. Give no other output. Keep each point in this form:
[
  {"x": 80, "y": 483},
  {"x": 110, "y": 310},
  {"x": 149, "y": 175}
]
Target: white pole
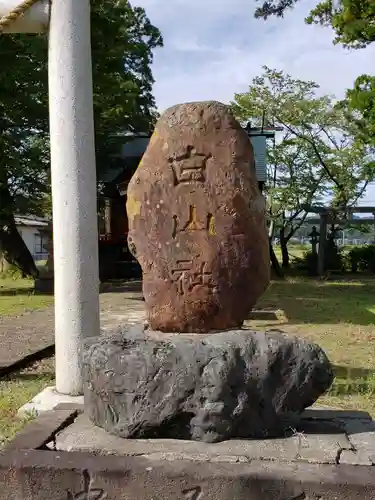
[{"x": 75, "y": 229}]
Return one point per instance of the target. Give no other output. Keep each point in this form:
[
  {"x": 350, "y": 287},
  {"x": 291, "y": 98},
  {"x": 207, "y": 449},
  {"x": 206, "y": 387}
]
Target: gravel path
[{"x": 29, "y": 332}]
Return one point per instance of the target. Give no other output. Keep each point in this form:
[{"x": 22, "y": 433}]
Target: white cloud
[{"x": 213, "y": 49}]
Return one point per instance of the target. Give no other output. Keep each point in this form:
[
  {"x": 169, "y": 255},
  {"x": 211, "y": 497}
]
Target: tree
[
  {"x": 122, "y": 43},
  {"x": 352, "y": 20},
  {"x": 23, "y": 133},
  {"x": 123, "y": 40},
  {"x": 317, "y": 154},
  {"x": 297, "y": 182},
  {"x": 360, "y": 102}
]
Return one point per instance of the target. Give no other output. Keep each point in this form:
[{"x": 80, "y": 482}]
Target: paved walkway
[{"x": 32, "y": 331}]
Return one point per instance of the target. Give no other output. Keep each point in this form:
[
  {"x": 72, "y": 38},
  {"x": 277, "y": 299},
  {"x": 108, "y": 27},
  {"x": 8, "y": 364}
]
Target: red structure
[{"x": 115, "y": 260}]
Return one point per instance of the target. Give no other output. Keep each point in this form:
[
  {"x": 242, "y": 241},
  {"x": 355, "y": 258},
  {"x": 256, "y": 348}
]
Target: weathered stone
[
  {"x": 231, "y": 384},
  {"x": 119, "y": 469},
  {"x": 318, "y": 445},
  {"x": 197, "y": 223}
]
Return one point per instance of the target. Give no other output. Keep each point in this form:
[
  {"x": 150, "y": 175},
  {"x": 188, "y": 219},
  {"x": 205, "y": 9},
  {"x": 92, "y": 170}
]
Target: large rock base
[{"x": 235, "y": 384}]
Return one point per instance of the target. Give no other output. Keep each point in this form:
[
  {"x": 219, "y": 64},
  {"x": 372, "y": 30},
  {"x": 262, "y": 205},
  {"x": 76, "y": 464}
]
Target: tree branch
[
  {"x": 360, "y": 194},
  {"x": 317, "y": 152},
  {"x": 331, "y": 139}
]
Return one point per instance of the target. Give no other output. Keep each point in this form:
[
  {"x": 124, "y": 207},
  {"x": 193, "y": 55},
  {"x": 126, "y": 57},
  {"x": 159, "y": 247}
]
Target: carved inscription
[
  {"x": 193, "y": 223},
  {"x": 181, "y": 275},
  {"x": 211, "y": 225},
  {"x": 202, "y": 277},
  {"x": 197, "y": 494},
  {"x": 187, "y": 276},
  {"x": 189, "y": 166},
  {"x": 303, "y": 496},
  {"x": 193, "y": 493},
  {"x": 88, "y": 493}
]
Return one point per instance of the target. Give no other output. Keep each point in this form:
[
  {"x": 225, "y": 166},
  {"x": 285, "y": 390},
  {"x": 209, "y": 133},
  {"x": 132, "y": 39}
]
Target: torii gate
[{"x": 73, "y": 174}]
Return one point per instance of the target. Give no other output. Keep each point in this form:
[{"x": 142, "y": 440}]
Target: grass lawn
[
  {"x": 17, "y": 296},
  {"x": 19, "y": 389},
  {"x": 295, "y": 251},
  {"x": 338, "y": 315}
]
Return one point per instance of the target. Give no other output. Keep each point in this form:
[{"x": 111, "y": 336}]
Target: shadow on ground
[
  {"x": 326, "y": 421},
  {"x": 350, "y": 381},
  {"x": 265, "y": 315},
  {"x": 134, "y": 286},
  {"x": 307, "y": 301},
  {"x": 28, "y": 377},
  {"x": 110, "y": 287},
  {"x": 10, "y": 292},
  {"x": 322, "y": 302}
]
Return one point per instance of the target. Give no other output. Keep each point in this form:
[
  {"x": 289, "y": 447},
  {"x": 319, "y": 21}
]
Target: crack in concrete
[
  {"x": 300, "y": 436},
  {"x": 51, "y": 439},
  {"x": 342, "y": 449}
]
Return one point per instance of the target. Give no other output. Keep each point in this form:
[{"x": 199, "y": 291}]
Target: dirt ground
[{"x": 31, "y": 331}]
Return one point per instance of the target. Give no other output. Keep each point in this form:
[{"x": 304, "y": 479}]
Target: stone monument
[
  {"x": 197, "y": 227},
  {"x": 196, "y": 222}
]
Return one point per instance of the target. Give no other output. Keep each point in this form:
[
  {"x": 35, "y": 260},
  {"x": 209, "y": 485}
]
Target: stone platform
[{"x": 61, "y": 455}]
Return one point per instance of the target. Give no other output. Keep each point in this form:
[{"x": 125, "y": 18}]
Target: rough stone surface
[
  {"x": 197, "y": 222},
  {"x": 231, "y": 384},
  {"x": 321, "y": 444}
]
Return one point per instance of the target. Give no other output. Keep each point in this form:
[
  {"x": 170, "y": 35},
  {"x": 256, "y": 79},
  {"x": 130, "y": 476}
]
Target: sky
[{"x": 214, "y": 48}]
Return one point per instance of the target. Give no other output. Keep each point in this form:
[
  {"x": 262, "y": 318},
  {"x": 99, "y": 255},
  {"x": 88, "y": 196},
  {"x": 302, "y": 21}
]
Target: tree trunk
[
  {"x": 274, "y": 262},
  {"x": 13, "y": 248},
  {"x": 284, "y": 249},
  {"x": 4, "y": 265}
]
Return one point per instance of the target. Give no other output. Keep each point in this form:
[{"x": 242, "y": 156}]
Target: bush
[
  {"x": 362, "y": 258},
  {"x": 12, "y": 272},
  {"x": 334, "y": 258},
  {"x": 334, "y": 261},
  {"x": 308, "y": 263}
]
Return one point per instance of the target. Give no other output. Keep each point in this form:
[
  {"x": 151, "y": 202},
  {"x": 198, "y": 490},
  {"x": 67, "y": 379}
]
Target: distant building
[
  {"x": 258, "y": 137},
  {"x": 113, "y": 220},
  {"x": 35, "y": 232}
]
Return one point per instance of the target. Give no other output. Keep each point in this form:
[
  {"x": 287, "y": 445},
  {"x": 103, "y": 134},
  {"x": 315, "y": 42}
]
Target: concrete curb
[
  {"x": 25, "y": 361},
  {"x": 31, "y": 471}
]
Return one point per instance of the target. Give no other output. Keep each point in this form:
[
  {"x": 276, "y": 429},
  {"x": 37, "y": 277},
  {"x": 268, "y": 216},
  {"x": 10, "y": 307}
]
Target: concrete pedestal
[
  {"x": 48, "y": 400},
  {"x": 61, "y": 455}
]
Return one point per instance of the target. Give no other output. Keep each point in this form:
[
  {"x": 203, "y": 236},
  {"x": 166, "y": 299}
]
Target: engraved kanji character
[
  {"x": 189, "y": 167},
  {"x": 181, "y": 275},
  {"x": 194, "y": 223},
  {"x": 88, "y": 493},
  {"x": 202, "y": 277}
]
